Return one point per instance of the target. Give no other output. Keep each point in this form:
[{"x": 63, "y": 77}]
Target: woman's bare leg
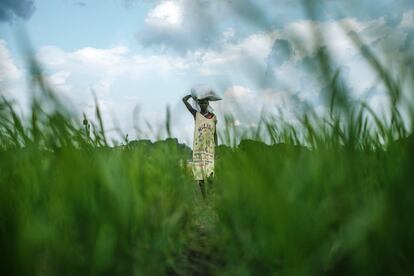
[
  {"x": 209, "y": 183},
  {"x": 202, "y": 188}
]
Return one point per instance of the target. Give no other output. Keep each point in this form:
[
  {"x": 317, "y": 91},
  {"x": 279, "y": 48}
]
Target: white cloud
[
  {"x": 8, "y": 68},
  {"x": 235, "y": 56},
  {"x": 100, "y": 56},
  {"x": 238, "y": 93},
  {"x": 356, "y": 71},
  {"x": 408, "y": 19},
  {"x": 182, "y": 24},
  {"x": 165, "y": 15},
  {"x": 247, "y": 104},
  {"x": 12, "y": 82},
  {"x": 112, "y": 62},
  {"x": 59, "y": 80},
  {"x": 301, "y": 34}
]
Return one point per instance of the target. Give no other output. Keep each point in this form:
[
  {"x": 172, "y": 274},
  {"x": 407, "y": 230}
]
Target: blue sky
[
  {"x": 73, "y": 25},
  {"x": 140, "y": 55}
]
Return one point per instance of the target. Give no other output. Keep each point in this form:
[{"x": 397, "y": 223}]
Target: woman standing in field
[{"x": 205, "y": 140}]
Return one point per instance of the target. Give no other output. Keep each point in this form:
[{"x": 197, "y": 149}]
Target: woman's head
[{"x": 203, "y": 103}]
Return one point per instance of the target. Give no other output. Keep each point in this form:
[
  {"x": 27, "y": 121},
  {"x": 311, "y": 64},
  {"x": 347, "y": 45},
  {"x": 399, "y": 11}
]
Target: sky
[{"x": 138, "y": 56}]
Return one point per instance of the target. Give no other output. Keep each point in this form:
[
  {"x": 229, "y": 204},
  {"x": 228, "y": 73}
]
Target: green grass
[{"x": 330, "y": 196}]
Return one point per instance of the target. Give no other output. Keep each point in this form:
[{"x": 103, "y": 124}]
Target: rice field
[{"x": 330, "y": 195}]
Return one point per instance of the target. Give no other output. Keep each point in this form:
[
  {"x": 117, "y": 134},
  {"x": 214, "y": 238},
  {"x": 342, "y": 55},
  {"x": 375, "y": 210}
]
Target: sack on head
[{"x": 202, "y": 91}]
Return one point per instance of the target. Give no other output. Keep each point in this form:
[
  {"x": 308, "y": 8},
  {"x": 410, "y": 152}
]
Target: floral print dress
[{"x": 203, "y": 146}]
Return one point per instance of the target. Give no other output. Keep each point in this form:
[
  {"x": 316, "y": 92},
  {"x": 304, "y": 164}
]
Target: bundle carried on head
[{"x": 202, "y": 91}]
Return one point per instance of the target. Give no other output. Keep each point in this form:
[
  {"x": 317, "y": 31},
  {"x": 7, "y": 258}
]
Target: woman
[{"x": 205, "y": 140}]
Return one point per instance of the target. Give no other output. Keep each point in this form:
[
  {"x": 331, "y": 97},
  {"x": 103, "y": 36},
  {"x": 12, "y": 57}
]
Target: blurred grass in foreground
[{"x": 333, "y": 195}]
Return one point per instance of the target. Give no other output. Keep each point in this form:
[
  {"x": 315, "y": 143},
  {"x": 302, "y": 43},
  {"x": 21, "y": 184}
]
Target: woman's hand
[
  {"x": 186, "y": 98},
  {"x": 189, "y": 107}
]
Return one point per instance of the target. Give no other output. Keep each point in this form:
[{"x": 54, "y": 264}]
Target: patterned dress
[{"x": 203, "y": 146}]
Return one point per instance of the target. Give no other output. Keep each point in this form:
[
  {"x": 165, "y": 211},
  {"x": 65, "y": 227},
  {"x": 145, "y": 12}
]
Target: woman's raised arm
[{"x": 189, "y": 107}]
